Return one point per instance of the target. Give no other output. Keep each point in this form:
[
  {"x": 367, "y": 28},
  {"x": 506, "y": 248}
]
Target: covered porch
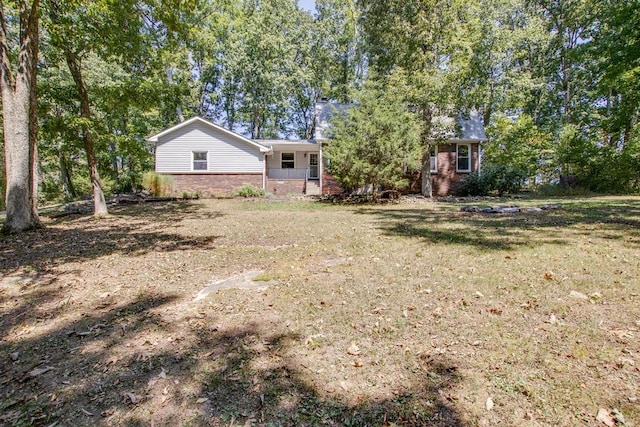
[{"x": 294, "y": 167}]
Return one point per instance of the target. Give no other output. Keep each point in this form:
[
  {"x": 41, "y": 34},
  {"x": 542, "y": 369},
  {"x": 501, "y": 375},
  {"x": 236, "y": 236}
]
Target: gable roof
[
  {"x": 469, "y": 128},
  {"x": 213, "y": 126}
]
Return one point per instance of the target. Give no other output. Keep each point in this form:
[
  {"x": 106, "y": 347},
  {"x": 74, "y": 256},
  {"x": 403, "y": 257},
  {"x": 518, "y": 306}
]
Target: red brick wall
[
  {"x": 329, "y": 185},
  {"x": 209, "y": 185},
  {"x": 281, "y": 187},
  {"x": 447, "y": 181}
]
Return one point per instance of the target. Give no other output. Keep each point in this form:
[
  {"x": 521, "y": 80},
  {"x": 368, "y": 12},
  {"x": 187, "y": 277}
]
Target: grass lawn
[{"x": 413, "y": 314}]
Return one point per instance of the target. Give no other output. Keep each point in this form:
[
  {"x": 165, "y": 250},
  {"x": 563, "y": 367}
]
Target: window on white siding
[
  {"x": 433, "y": 158},
  {"x": 288, "y": 161},
  {"x": 463, "y": 158},
  {"x": 200, "y": 161}
]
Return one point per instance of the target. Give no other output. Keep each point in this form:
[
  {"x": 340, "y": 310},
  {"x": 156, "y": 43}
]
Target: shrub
[
  {"x": 474, "y": 184},
  {"x": 505, "y": 179},
  {"x": 500, "y": 179},
  {"x": 158, "y": 185},
  {"x": 248, "y": 190}
]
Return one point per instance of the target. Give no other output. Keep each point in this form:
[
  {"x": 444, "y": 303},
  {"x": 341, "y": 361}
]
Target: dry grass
[{"x": 410, "y": 314}]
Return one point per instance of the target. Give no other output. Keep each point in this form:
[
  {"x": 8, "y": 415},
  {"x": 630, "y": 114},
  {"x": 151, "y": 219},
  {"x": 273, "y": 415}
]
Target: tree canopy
[
  {"x": 556, "y": 81},
  {"x": 376, "y": 141}
]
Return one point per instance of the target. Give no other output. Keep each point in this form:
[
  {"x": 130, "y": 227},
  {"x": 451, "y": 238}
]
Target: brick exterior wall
[
  {"x": 280, "y": 187},
  {"x": 209, "y": 185},
  {"x": 447, "y": 181},
  {"x": 329, "y": 185}
]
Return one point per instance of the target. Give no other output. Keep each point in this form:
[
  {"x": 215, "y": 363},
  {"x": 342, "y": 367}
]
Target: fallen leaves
[
  {"x": 578, "y": 295},
  {"x": 133, "y": 399},
  {"x": 38, "y": 371},
  {"x": 87, "y": 413},
  {"x": 610, "y": 418},
  {"x": 489, "y": 404},
  {"x": 353, "y": 350}
]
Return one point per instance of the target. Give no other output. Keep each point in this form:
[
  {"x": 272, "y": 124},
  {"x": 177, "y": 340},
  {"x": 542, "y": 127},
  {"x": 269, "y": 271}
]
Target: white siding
[{"x": 226, "y": 153}]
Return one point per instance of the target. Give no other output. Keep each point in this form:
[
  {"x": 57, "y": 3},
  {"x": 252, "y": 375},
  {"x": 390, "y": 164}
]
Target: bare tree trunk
[
  {"x": 426, "y": 187},
  {"x": 67, "y": 184},
  {"x": 20, "y": 124},
  {"x": 75, "y": 67}
]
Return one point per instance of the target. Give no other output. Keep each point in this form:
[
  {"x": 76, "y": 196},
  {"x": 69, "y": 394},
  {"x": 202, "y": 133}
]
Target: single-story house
[{"x": 209, "y": 159}]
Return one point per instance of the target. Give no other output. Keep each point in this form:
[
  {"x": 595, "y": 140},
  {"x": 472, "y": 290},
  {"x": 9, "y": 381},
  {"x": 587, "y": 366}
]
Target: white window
[
  {"x": 288, "y": 161},
  {"x": 463, "y": 158},
  {"x": 433, "y": 158},
  {"x": 200, "y": 161}
]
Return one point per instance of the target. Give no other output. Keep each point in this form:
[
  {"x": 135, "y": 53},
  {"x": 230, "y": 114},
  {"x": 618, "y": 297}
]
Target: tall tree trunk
[
  {"x": 20, "y": 124},
  {"x": 65, "y": 176},
  {"x": 426, "y": 187},
  {"x": 75, "y": 67}
]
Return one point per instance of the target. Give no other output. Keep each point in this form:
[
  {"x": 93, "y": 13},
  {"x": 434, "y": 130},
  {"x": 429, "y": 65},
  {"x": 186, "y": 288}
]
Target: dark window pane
[
  {"x": 463, "y": 163},
  {"x": 287, "y": 161}
]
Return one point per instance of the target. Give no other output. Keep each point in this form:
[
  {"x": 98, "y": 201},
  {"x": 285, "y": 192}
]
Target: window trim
[
  {"x": 458, "y": 157},
  {"x": 193, "y": 161},
  {"x": 292, "y": 161},
  {"x": 435, "y": 159}
]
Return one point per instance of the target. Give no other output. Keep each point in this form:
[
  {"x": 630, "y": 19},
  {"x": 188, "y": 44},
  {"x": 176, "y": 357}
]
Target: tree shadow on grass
[
  {"x": 267, "y": 387},
  {"x": 170, "y": 212},
  {"x": 130, "y": 366},
  {"x": 72, "y": 371},
  {"x": 508, "y": 231},
  {"x": 134, "y": 231}
]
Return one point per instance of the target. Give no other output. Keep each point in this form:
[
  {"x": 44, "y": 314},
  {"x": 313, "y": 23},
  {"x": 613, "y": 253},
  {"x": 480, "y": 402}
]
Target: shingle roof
[{"x": 471, "y": 128}]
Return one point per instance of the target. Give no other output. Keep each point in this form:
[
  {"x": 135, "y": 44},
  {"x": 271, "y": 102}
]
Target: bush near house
[
  {"x": 159, "y": 185},
  {"x": 494, "y": 179},
  {"x": 248, "y": 190}
]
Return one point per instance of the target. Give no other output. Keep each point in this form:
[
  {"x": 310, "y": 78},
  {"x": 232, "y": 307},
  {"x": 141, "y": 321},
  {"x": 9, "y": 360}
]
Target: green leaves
[{"x": 377, "y": 141}]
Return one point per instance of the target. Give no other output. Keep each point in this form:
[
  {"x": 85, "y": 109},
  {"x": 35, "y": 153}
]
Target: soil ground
[{"x": 411, "y": 314}]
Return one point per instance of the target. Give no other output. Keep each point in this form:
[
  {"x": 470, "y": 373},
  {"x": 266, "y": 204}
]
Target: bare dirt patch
[
  {"x": 408, "y": 314},
  {"x": 255, "y": 279}
]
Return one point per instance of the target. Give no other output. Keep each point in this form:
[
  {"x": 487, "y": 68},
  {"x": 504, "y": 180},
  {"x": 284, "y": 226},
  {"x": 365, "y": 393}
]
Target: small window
[
  {"x": 463, "y": 158},
  {"x": 200, "y": 161},
  {"x": 433, "y": 158},
  {"x": 288, "y": 161}
]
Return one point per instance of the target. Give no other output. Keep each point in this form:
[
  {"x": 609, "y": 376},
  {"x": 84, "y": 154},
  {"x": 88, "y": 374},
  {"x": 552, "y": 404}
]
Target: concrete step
[{"x": 312, "y": 188}]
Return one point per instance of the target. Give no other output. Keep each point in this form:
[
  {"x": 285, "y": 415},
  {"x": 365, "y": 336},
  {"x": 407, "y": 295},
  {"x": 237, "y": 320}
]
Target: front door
[{"x": 313, "y": 165}]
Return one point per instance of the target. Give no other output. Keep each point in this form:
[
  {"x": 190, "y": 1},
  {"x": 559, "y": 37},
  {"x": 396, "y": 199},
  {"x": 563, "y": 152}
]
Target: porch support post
[
  {"x": 264, "y": 174},
  {"x": 320, "y": 168}
]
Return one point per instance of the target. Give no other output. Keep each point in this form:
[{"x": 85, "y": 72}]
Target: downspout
[{"x": 320, "y": 169}]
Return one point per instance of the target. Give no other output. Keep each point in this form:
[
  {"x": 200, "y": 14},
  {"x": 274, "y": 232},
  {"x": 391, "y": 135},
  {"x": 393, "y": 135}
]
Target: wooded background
[{"x": 557, "y": 82}]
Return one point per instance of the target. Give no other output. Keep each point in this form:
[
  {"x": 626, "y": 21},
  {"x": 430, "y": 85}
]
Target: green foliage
[
  {"x": 377, "y": 141},
  {"x": 475, "y": 184},
  {"x": 500, "y": 179},
  {"x": 519, "y": 144},
  {"x": 158, "y": 185},
  {"x": 601, "y": 168},
  {"x": 248, "y": 190}
]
